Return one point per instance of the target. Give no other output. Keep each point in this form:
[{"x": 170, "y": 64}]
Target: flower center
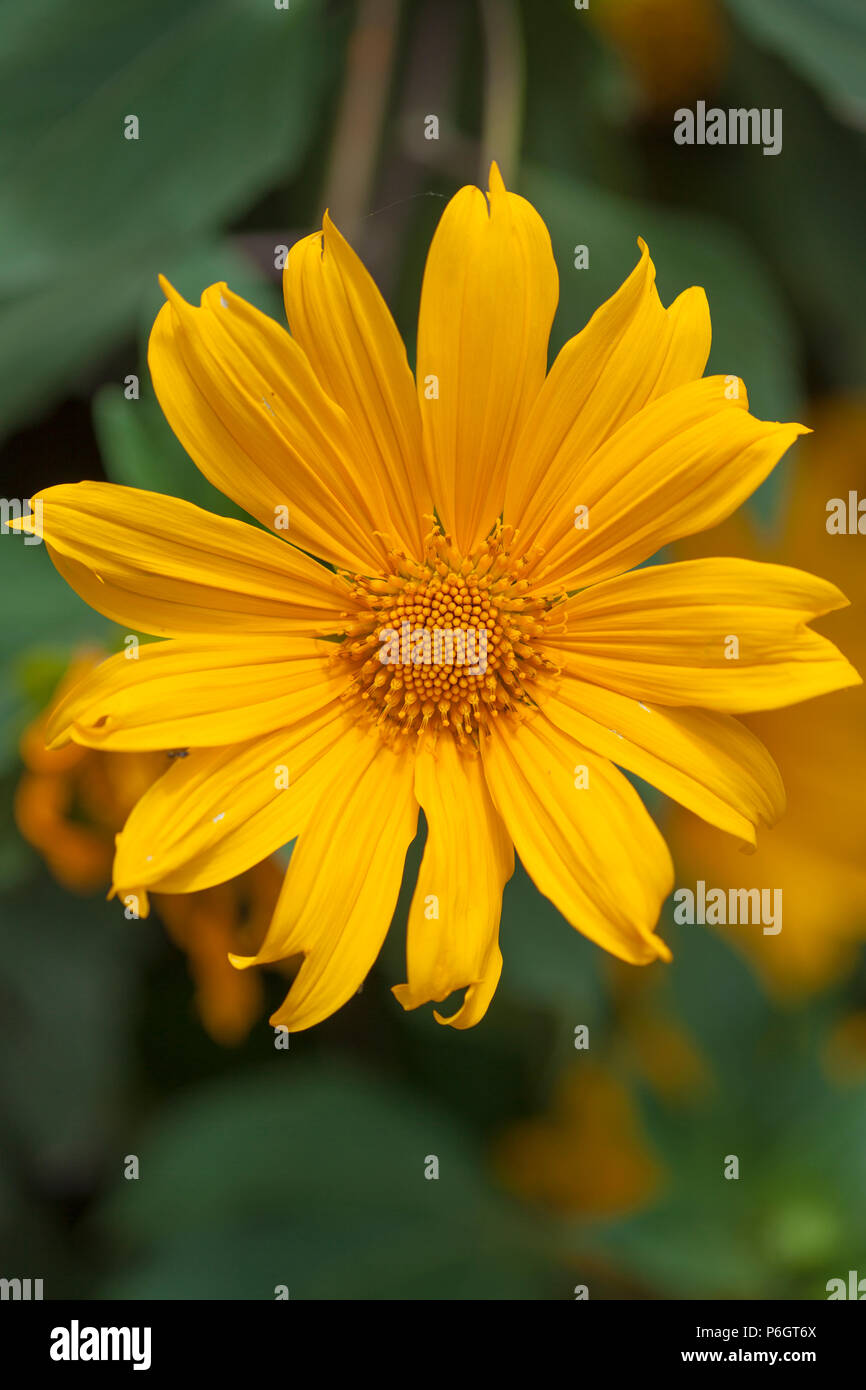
[{"x": 449, "y": 644}]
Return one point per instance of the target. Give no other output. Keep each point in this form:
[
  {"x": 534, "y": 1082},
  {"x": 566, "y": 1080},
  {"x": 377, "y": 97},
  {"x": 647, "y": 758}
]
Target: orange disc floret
[{"x": 449, "y": 644}]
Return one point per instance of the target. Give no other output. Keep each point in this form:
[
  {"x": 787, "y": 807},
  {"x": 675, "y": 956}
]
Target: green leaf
[
  {"x": 545, "y": 960},
  {"x": 803, "y": 210},
  {"x": 313, "y": 1177},
  {"x": 67, "y": 967},
  {"x": 226, "y": 94},
  {"x": 795, "y": 1213},
  {"x": 139, "y": 450},
  {"x": 682, "y": 1253},
  {"x": 825, "y": 40},
  {"x": 135, "y": 440},
  {"x": 49, "y": 614}
]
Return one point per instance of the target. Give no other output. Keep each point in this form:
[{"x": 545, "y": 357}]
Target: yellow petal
[
  {"x": 708, "y": 762},
  {"x": 218, "y": 811},
  {"x": 343, "y": 324},
  {"x": 487, "y": 303},
  {"x": 723, "y": 634},
  {"x": 680, "y": 465},
  {"x": 342, "y": 885},
  {"x": 631, "y": 351},
  {"x": 169, "y": 568},
  {"x": 245, "y": 403},
  {"x": 592, "y": 849},
  {"x": 199, "y": 694},
  {"x": 454, "y": 916}
]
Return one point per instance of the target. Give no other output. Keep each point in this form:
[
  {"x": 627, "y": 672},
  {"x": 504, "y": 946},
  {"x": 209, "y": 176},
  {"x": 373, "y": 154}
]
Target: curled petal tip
[
  {"x": 241, "y": 962},
  {"x": 495, "y": 181}
]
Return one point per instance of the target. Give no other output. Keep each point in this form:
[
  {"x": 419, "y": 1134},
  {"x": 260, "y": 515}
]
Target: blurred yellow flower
[
  {"x": 70, "y": 803},
  {"x": 676, "y": 50},
  {"x": 211, "y": 924},
  {"x": 651, "y": 1043},
  {"x": 587, "y": 1156},
  {"x": 489, "y": 508},
  {"x": 817, "y": 854}
]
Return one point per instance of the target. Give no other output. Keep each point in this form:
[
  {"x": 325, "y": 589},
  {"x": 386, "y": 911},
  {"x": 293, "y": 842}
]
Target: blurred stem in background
[
  {"x": 504, "y": 80},
  {"x": 432, "y": 59},
  {"x": 357, "y": 138}
]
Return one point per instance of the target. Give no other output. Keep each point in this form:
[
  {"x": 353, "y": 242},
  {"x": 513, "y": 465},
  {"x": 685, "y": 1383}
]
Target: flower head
[{"x": 438, "y": 613}]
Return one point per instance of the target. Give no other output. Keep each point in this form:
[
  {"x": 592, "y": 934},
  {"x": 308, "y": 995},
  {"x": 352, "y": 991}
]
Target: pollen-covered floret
[{"x": 450, "y": 644}]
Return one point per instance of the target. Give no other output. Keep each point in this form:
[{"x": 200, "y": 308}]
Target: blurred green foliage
[
  {"x": 825, "y": 40},
  {"x": 227, "y": 95},
  {"x": 797, "y": 1213},
  {"x": 314, "y": 1179}
]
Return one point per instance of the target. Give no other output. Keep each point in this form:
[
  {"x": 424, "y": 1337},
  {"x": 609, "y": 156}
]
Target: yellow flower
[
  {"x": 496, "y": 502},
  {"x": 676, "y": 50},
  {"x": 70, "y": 803},
  {"x": 817, "y": 856}
]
